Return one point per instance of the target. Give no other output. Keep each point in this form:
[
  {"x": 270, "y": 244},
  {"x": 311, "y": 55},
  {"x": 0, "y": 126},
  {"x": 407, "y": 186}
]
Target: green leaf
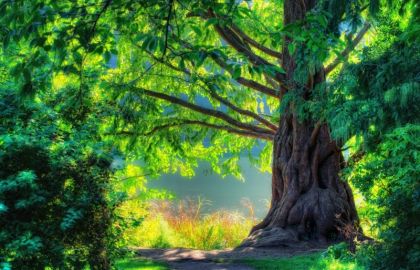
[
  {"x": 291, "y": 47},
  {"x": 196, "y": 29},
  {"x": 236, "y": 72},
  {"x": 211, "y": 21},
  {"x": 78, "y": 58}
]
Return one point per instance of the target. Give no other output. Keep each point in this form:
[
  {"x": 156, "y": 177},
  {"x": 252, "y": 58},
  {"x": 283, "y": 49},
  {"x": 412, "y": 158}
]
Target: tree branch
[
  {"x": 95, "y": 22},
  {"x": 206, "y": 111},
  {"x": 242, "y": 111},
  {"x": 345, "y": 53},
  {"x": 168, "y": 20},
  {"x": 257, "y": 86},
  {"x": 243, "y": 81},
  {"x": 246, "y": 82},
  {"x": 227, "y": 128},
  {"x": 254, "y": 43},
  {"x": 235, "y": 42}
]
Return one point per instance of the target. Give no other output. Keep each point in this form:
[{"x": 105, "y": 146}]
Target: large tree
[{"x": 209, "y": 80}]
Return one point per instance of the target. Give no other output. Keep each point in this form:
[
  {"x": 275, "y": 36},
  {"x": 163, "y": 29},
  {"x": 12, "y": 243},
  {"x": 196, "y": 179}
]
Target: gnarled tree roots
[
  {"x": 310, "y": 204},
  {"x": 317, "y": 218}
]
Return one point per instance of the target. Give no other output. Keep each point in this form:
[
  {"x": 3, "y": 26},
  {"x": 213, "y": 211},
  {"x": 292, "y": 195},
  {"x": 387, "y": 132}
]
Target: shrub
[
  {"x": 54, "y": 210},
  {"x": 389, "y": 180}
]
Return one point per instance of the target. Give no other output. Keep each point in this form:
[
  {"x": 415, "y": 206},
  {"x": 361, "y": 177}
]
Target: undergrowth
[{"x": 183, "y": 224}]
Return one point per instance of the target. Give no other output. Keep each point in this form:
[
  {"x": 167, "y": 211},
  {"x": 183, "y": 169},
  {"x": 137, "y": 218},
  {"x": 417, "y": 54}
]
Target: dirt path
[{"x": 227, "y": 259}]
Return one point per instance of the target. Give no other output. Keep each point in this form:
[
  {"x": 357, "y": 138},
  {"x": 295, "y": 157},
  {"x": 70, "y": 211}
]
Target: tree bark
[{"x": 310, "y": 203}]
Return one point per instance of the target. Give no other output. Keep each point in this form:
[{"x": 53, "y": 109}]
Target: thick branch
[
  {"x": 233, "y": 39},
  {"x": 241, "y": 80},
  {"x": 235, "y": 42},
  {"x": 227, "y": 128},
  {"x": 257, "y": 86},
  {"x": 206, "y": 111},
  {"x": 345, "y": 53},
  {"x": 246, "y": 82},
  {"x": 254, "y": 43}
]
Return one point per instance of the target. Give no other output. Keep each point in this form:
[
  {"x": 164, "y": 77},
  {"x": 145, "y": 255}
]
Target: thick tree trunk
[
  {"x": 309, "y": 201},
  {"x": 310, "y": 204}
]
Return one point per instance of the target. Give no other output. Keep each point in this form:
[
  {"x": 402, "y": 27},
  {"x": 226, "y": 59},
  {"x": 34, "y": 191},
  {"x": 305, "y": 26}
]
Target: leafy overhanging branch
[
  {"x": 205, "y": 111},
  {"x": 254, "y": 43},
  {"x": 227, "y": 128},
  {"x": 349, "y": 48},
  {"x": 241, "y": 80},
  {"x": 246, "y": 82},
  {"x": 224, "y": 100},
  {"x": 236, "y": 42},
  {"x": 242, "y": 111}
]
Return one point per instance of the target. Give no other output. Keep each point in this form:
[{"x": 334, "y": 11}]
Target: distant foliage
[{"x": 54, "y": 209}]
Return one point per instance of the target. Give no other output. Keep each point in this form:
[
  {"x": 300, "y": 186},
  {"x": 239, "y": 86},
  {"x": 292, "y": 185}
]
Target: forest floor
[{"x": 227, "y": 259}]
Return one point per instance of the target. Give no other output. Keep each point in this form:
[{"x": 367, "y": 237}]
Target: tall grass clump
[{"x": 182, "y": 223}]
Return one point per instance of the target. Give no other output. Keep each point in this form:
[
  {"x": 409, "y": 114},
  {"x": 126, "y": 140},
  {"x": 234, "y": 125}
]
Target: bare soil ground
[{"x": 227, "y": 259}]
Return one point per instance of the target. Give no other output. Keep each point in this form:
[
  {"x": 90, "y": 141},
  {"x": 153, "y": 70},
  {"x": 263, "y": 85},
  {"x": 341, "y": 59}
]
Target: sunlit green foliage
[
  {"x": 379, "y": 105},
  {"x": 172, "y": 47},
  {"x": 381, "y": 92},
  {"x": 389, "y": 179},
  {"x": 56, "y": 208}
]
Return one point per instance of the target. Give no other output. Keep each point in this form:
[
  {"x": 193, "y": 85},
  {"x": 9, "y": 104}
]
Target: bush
[
  {"x": 54, "y": 210},
  {"x": 389, "y": 180}
]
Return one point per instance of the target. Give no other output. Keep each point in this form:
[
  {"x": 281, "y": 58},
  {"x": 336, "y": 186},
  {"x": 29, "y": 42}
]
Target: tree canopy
[{"x": 194, "y": 74}]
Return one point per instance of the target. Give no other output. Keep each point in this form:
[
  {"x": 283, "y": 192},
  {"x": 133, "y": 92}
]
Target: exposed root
[
  {"x": 318, "y": 217},
  {"x": 272, "y": 237}
]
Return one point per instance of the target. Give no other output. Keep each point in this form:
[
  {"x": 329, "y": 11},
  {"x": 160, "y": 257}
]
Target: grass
[
  {"x": 182, "y": 224},
  {"x": 317, "y": 261},
  {"x": 138, "y": 263},
  {"x": 171, "y": 224}
]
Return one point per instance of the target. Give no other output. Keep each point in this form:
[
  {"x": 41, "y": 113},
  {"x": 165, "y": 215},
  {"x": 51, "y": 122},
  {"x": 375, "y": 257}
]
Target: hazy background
[{"x": 223, "y": 193}]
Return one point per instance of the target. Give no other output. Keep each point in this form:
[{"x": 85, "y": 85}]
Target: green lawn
[
  {"x": 316, "y": 261},
  {"x": 307, "y": 262},
  {"x": 138, "y": 263}
]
